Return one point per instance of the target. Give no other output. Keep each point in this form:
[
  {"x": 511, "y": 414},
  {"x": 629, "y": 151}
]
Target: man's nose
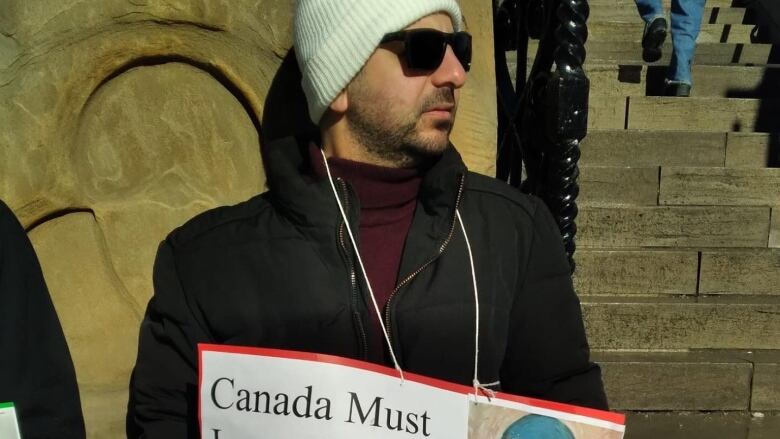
[{"x": 450, "y": 72}]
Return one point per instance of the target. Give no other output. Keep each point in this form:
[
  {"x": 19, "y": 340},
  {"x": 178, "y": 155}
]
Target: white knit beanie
[{"x": 335, "y": 38}]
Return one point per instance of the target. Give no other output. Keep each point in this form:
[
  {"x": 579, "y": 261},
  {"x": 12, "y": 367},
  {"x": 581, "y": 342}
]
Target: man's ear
[{"x": 341, "y": 103}]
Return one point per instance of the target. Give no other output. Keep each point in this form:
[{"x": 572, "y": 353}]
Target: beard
[{"x": 399, "y": 140}]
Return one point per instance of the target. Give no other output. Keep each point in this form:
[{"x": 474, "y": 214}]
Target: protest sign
[
  {"x": 255, "y": 392},
  {"x": 9, "y": 426}
]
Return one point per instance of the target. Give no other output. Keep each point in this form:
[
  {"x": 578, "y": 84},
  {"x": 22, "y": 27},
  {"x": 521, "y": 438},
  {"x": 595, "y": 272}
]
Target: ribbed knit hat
[{"x": 335, "y": 38}]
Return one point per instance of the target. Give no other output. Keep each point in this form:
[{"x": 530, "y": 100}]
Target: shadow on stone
[{"x": 766, "y": 117}]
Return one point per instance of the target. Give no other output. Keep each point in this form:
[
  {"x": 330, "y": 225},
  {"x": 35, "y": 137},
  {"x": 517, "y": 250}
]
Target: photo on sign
[{"x": 492, "y": 422}]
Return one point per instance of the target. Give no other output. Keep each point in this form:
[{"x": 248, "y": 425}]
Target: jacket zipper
[
  {"x": 352, "y": 275},
  {"x": 414, "y": 274}
]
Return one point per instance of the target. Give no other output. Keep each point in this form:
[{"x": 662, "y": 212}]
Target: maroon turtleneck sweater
[{"x": 388, "y": 197}]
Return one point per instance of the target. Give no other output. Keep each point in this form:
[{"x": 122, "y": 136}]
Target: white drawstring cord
[
  {"x": 477, "y": 385},
  {"x": 362, "y": 267}
]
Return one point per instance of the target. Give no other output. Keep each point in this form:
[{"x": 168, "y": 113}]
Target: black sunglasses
[{"x": 424, "y": 49}]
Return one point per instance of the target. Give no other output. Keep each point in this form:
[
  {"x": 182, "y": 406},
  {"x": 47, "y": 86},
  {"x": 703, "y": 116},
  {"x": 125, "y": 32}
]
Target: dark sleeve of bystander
[
  {"x": 548, "y": 353},
  {"x": 36, "y": 371}
]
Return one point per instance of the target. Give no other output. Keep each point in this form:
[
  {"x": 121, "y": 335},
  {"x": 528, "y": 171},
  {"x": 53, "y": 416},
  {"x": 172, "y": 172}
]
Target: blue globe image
[{"x": 537, "y": 427}]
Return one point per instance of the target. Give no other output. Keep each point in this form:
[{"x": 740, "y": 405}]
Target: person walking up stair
[{"x": 686, "y": 23}]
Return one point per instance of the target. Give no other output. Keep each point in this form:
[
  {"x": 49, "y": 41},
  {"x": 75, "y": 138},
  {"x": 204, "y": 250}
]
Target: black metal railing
[{"x": 543, "y": 116}]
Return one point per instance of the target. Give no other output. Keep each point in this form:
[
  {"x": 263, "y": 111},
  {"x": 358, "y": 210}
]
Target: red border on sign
[{"x": 615, "y": 418}]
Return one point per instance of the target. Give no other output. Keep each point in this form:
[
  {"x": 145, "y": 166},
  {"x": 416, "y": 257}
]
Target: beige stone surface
[
  {"x": 627, "y": 52},
  {"x": 607, "y": 112},
  {"x": 701, "y": 425},
  {"x": 766, "y": 382},
  {"x": 103, "y": 410},
  {"x": 675, "y": 381},
  {"x": 764, "y": 427},
  {"x": 639, "y": 148},
  {"x": 156, "y": 169},
  {"x": 704, "y": 114},
  {"x": 613, "y": 79},
  {"x": 616, "y": 80},
  {"x": 711, "y": 15},
  {"x": 53, "y": 81},
  {"x": 774, "y": 231},
  {"x": 720, "y": 186},
  {"x": 747, "y": 150},
  {"x": 666, "y": 3},
  {"x": 128, "y": 118},
  {"x": 613, "y": 186},
  {"x": 673, "y": 226},
  {"x": 633, "y": 30},
  {"x": 637, "y": 323},
  {"x": 476, "y": 129},
  {"x": 98, "y": 315},
  {"x": 734, "y": 81},
  {"x": 628, "y": 272},
  {"x": 740, "y": 272}
]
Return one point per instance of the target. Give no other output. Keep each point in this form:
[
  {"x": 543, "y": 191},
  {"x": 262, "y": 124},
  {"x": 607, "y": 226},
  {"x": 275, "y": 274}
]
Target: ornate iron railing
[{"x": 543, "y": 116}]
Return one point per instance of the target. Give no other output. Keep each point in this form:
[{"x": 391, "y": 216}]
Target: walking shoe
[
  {"x": 653, "y": 39},
  {"x": 678, "y": 89}
]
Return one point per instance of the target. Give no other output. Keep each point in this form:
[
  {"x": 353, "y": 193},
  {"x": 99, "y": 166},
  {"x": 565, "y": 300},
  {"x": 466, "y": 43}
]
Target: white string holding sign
[
  {"x": 477, "y": 385},
  {"x": 362, "y": 267}
]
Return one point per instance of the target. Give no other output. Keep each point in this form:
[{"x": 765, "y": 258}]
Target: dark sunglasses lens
[
  {"x": 462, "y": 47},
  {"x": 425, "y": 50}
]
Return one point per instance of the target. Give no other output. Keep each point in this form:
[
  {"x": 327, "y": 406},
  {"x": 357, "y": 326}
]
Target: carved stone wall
[{"x": 122, "y": 119}]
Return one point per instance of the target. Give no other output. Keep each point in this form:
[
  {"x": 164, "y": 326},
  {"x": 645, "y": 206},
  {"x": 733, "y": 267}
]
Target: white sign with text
[
  {"x": 254, "y": 392},
  {"x": 9, "y": 426}
]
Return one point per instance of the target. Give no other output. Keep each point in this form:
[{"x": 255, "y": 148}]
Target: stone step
[
  {"x": 625, "y": 52},
  {"x": 632, "y": 30},
  {"x": 617, "y": 80},
  {"x": 712, "y": 15},
  {"x": 673, "y": 226},
  {"x": 708, "y": 81},
  {"x": 642, "y": 148},
  {"x": 750, "y": 272},
  {"x": 720, "y": 186},
  {"x": 618, "y": 186},
  {"x": 672, "y": 323},
  {"x": 752, "y": 150},
  {"x": 607, "y": 112},
  {"x": 701, "y": 114},
  {"x": 734, "y": 81},
  {"x": 652, "y": 148},
  {"x": 634, "y": 271},
  {"x": 774, "y": 229},
  {"x": 691, "y": 380},
  {"x": 666, "y": 3},
  {"x": 702, "y": 425}
]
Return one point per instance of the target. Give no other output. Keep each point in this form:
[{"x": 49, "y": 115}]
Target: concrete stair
[
  {"x": 711, "y": 81},
  {"x": 667, "y": 3},
  {"x": 645, "y": 323},
  {"x": 632, "y": 31},
  {"x": 712, "y": 380},
  {"x": 601, "y": 12},
  {"x": 601, "y": 52},
  {"x": 678, "y": 260}
]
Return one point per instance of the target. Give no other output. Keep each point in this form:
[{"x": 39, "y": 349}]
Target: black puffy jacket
[
  {"x": 275, "y": 272},
  {"x": 36, "y": 371}
]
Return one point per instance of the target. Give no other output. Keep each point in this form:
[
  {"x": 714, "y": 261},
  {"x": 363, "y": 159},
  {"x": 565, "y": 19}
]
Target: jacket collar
[{"x": 309, "y": 202}]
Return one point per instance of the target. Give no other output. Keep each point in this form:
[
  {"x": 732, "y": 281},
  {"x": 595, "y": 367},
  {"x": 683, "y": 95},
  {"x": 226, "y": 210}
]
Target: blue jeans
[{"x": 686, "y": 24}]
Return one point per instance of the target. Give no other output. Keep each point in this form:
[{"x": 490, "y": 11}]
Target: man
[
  {"x": 686, "y": 24},
  {"x": 36, "y": 372},
  {"x": 280, "y": 270}
]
